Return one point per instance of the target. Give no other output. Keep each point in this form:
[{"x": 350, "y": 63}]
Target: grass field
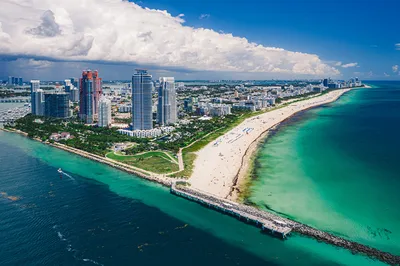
[{"x": 154, "y": 161}]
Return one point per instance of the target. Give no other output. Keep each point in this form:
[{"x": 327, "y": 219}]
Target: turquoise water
[
  {"x": 103, "y": 216},
  {"x": 336, "y": 167}
]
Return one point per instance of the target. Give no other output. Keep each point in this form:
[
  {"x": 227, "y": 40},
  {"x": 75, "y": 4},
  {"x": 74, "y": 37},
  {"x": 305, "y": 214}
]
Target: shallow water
[{"x": 336, "y": 167}]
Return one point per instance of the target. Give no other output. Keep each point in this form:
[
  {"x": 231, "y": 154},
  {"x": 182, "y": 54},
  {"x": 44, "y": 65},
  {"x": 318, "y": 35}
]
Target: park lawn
[{"x": 156, "y": 162}]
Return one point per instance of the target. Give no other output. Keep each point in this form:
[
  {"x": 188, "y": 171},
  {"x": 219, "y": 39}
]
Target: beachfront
[{"x": 217, "y": 167}]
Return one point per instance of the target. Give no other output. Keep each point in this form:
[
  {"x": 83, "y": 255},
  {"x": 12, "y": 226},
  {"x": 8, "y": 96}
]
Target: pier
[
  {"x": 266, "y": 221},
  {"x": 275, "y": 224}
]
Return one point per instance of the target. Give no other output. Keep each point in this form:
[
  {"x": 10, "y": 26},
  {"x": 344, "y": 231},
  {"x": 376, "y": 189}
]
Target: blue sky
[
  {"x": 361, "y": 35},
  {"x": 342, "y": 30}
]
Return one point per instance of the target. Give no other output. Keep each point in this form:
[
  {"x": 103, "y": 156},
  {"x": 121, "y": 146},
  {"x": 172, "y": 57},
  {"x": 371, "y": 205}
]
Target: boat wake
[{"x": 65, "y": 174}]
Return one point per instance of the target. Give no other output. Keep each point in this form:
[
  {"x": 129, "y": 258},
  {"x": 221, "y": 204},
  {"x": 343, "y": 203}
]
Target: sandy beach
[{"x": 222, "y": 165}]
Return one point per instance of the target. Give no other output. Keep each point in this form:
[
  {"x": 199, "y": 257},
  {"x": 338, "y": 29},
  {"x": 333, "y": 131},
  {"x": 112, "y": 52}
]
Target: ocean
[
  {"x": 97, "y": 215},
  {"x": 336, "y": 167}
]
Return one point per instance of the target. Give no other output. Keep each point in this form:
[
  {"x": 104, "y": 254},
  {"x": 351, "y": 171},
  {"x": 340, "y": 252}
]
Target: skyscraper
[
  {"x": 104, "y": 112},
  {"x": 74, "y": 95},
  {"x": 56, "y": 105},
  {"x": 166, "y": 108},
  {"x": 20, "y": 81},
  {"x": 37, "y": 98},
  {"x": 142, "y": 85},
  {"x": 325, "y": 82},
  {"x": 67, "y": 85},
  {"x": 89, "y": 96},
  {"x": 39, "y": 102}
]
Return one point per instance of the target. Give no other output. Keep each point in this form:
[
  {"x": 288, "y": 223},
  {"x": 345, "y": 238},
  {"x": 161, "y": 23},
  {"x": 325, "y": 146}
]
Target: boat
[{"x": 59, "y": 170}]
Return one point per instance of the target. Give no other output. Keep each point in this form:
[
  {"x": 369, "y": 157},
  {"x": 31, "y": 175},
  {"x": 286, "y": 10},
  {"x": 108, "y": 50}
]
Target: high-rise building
[
  {"x": 142, "y": 85},
  {"x": 20, "y": 81},
  {"x": 56, "y": 105},
  {"x": 67, "y": 85},
  {"x": 37, "y": 98},
  {"x": 104, "y": 112},
  {"x": 89, "y": 95},
  {"x": 75, "y": 82},
  {"x": 74, "y": 95},
  {"x": 10, "y": 80},
  {"x": 326, "y": 82},
  {"x": 166, "y": 108}
]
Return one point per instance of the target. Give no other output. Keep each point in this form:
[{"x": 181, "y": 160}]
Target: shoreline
[
  {"x": 243, "y": 177},
  {"x": 139, "y": 173},
  {"x": 222, "y": 167}
]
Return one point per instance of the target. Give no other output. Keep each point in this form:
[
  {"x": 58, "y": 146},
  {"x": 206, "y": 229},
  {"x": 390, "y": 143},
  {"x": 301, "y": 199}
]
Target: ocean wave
[
  {"x": 92, "y": 261},
  {"x": 61, "y": 236}
]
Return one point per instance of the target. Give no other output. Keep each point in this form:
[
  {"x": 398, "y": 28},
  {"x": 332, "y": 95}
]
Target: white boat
[{"x": 59, "y": 170}]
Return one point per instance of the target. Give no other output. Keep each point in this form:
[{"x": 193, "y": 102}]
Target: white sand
[{"x": 219, "y": 162}]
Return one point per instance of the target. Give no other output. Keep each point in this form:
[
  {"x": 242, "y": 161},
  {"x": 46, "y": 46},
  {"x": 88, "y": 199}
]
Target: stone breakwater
[{"x": 319, "y": 235}]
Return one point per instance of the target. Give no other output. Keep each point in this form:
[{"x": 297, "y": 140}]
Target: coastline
[
  {"x": 222, "y": 167},
  {"x": 140, "y": 173},
  {"x": 242, "y": 181}
]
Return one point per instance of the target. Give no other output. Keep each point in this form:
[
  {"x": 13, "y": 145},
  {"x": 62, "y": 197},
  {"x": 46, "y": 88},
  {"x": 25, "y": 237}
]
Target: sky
[{"x": 201, "y": 39}]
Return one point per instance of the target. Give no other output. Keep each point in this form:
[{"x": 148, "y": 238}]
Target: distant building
[
  {"x": 104, "y": 112},
  {"x": 67, "y": 85},
  {"x": 10, "y": 80},
  {"x": 325, "y": 82},
  {"x": 151, "y": 133},
  {"x": 189, "y": 103},
  {"x": 74, "y": 95},
  {"x": 125, "y": 108},
  {"x": 166, "y": 108},
  {"x": 56, "y": 105},
  {"x": 220, "y": 109},
  {"x": 89, "y": 95},
  {"x": 20, "y": 81},
  {"x": 142, "y": 115}
]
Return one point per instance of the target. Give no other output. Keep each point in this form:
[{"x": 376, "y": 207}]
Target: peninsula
[{"x": 206, "y": 156}]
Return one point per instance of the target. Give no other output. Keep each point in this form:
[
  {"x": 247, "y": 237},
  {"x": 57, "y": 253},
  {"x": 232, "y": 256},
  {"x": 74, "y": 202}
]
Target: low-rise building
[{"x": 151, "y": 133}]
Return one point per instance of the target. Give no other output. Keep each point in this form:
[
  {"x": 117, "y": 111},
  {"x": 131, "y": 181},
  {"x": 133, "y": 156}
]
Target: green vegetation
[
  {"x": 188, "y": 161},
  {"x": 91, "y": 139},
  {"x": 156, "y": 162}
]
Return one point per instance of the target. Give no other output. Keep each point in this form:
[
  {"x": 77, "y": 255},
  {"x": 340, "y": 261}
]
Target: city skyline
[{"x": 202, "y": 42}]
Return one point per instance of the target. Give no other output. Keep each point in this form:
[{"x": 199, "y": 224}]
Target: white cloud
[
  {"x": 397, "y": 45},
  {"x": 338, "y": 63},
  {"x": 395, "y": 68},
  {"x": 386, "y": 74},
  {"x": 350, "y": 65},
  {"x": 32, "y": 63},
  {"x": 121, "y": 31},
  {"x": 204, "y": 16}
]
